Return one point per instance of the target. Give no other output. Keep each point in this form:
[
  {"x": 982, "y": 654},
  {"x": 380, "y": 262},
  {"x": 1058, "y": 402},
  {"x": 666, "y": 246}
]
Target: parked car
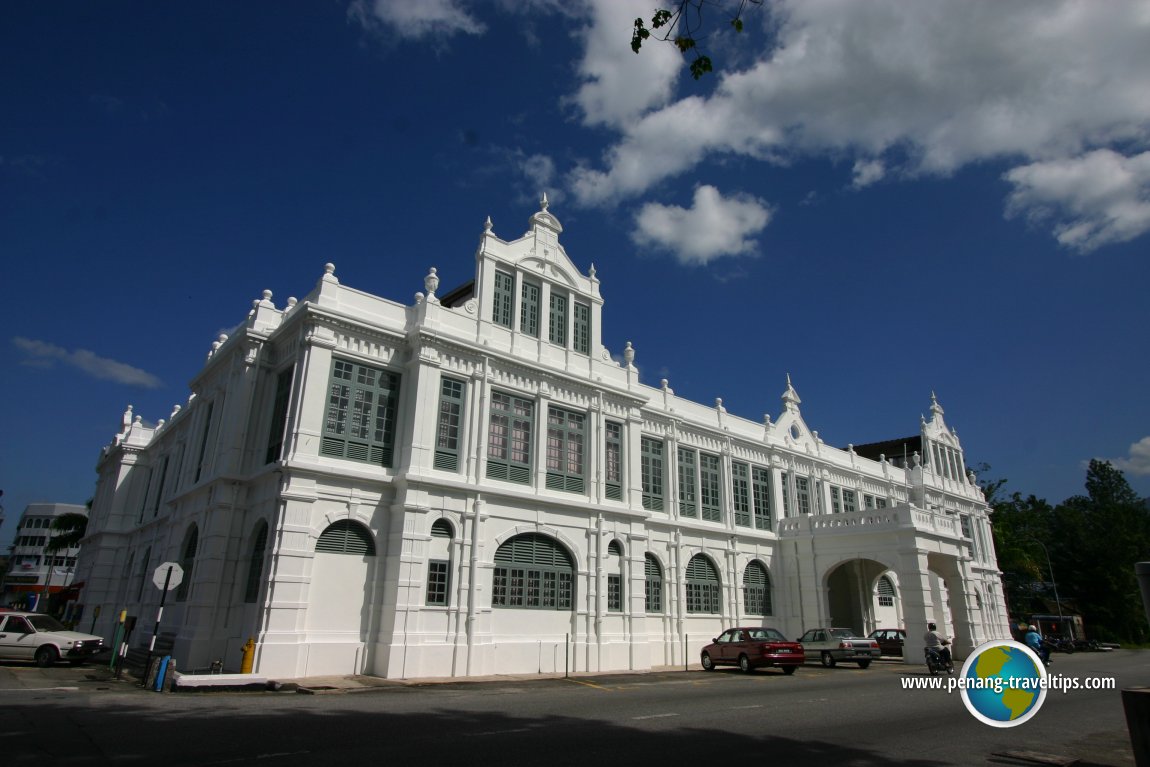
[
  {"x": 831, "y": 645},
  {"x": 43, "y": 639},
  {"x": 890, "y": 641},
  {"x": 752, "y": 647}
]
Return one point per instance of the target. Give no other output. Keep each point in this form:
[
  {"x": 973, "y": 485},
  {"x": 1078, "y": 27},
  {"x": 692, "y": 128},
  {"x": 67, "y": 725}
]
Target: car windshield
[
  {"x": 45, "y": 623},
  {"x": 768, "y": 634},
  {"x": 842, "y": 633}
]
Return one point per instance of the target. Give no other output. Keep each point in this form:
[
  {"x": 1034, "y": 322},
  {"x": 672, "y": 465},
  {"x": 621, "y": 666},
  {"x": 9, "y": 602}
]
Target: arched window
[
  {"x": 188, "y": 561},
  {"x": 533, "y": 571},
  {"x": 756, "y": 589},
  {"x": 654, "y": 584},
  {"x": 704, "y": 593},
  {"x": 439, "y": 563},
  {"x": 256, "y": 563},
  {"x": 614, "y": 567},
  {"x": 346, "y": 537},
  {"x": 885, "y": 591}
]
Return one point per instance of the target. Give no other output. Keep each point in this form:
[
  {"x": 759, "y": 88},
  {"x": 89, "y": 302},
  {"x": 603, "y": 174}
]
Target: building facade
[
  {"x": 36, "y": 576},
  {"x": 471, "y": 484}
]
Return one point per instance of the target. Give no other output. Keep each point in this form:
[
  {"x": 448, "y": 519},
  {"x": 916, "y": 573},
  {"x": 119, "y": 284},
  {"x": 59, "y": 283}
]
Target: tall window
[
  {"x": 651, "y": 473},
  {"x": 581, "y": 340},
  {"x": 360, "y": 420},
  {"x": 557, "y": 320},
  {"x": 256, "y": 562},
  {"x": 509, "y": 438},
  {"x": 144, "y": 573},
  {"x": 615, "y": 577},
  {"x": 803, "y": 494},
  {"x": 741, "y": 494},
  {"x": 160, "y": 489},
  {"x": 836, "y": 501},
  {"x": 439, "y": 563},
  {"x": 653, "y": 586},
  {"x": 710, "y": 487},
  {"x": 785, "y": 480},
  {"x": 613, "y": 460},
  {"x": 756, "y": 589},
  {"x": 279, "y": 416},
  {"x": 345, "y": 537},
  {"x": 450, "y": 417},
  {"x": 533, "y": 571},
  {"x": 504, "y": 299},
  {"x": 704, "y": 594},
  {"x": 529, "y": 309},
  {"x": 204, "y": 441},
  {"x": 565, "y": 448},
  {"x": 761, "y": 495},
  {"x": 849, "y": 501},
  {"x": 885, "y": 591},
  {"x": 688, "y": 501},
  {"x": 188, "y": 562}
]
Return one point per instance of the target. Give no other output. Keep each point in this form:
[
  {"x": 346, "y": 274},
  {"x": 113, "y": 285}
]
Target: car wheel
[
  {"x": 788, "y": 670},
  {"x": 745, "y": 664},
  {"x": 828, "y": 660},
  {"x": 46, "y": 656},
  {"x": 708, "y": 664},
  {"x": 864, "y": 663}
]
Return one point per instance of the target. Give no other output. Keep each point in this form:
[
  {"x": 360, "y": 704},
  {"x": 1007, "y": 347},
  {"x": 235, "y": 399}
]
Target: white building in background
[
  {"x": 34, "y": 574},
  {"x": 470, "y": 484}
]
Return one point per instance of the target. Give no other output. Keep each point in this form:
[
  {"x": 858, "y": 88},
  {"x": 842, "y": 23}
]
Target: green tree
[
  {"x": 682, "y": 25},
  {"x": 69, "y": 530}
]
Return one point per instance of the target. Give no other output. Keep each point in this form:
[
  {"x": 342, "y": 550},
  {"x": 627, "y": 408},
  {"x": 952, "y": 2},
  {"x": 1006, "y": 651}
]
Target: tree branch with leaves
[{"x": 682, "y": 25}]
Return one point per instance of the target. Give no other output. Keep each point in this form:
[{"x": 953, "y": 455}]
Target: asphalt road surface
[{"x": 843, "y": 716}]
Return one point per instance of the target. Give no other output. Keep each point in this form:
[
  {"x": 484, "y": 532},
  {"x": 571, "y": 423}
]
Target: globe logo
[{"x": 1003, "y": 683}]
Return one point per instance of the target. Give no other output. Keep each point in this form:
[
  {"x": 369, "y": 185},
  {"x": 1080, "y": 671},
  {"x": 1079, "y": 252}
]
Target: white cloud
[
  {"x": 46, "y": 354},
  {"x": 1099, "y": 198},
  {"x": 713, "y": 227},
  {"x": 424, "y": 18},
  {"x": 927, "y": 87},
  {"x": 1138, "y": 461},
  {"x": 867, "y": 172}
]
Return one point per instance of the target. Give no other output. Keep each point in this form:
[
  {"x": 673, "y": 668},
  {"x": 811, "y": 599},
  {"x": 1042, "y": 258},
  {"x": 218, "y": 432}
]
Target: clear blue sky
[{"x": 880, "y": 199}]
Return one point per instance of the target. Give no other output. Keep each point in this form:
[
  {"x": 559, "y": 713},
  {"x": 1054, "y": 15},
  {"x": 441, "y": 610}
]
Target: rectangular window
[
  {"x": 204, "y": 441},
  {"x": 803, "y": 494},
  {"x": 964, "y": 520},
  {"x": 279, "y": 416},
  {"x": 651, "y": 471},
  {"x": 565, "y": 450},
  {"x": 144, "y": 573},
  {"x": 688, "y": 500},
  {"x": 615, "y": 593},
  {"x": 557, "y": 320},
  {"x": 786, "y": 483},
  {"x": 160, "y": 489},
  {"x": 836, "y": 503},
  {"x": 361, "y": 413},
  {"x": 450, "y": 418},
  {"x": 881, "y": 502},
  {"x": 437, "y": 579},
  {"x": 761, "y": 494},
  {"x": 850, "y": 504},
  {"x": 504, "y": 299},
  {"x": 741, "y": 494},
  {"x": 582, "y": 333},
  {"x": 710, "y": 487},
  {"x": 529, "y": 310},
  {"x": 509, "y": 438},
  {"x": 868, "y": 501},
  {"x": 613, "y": 460},
  {"x": 703, "y": 597},
  {"x": 531, "y": 588}
]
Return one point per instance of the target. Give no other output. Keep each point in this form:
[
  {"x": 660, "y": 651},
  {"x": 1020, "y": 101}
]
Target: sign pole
[{"x": 156, "y": 628}]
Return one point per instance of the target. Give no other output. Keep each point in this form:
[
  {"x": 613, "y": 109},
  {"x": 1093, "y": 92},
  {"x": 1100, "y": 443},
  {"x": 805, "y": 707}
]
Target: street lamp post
[{"x": 1050, "y": 569}]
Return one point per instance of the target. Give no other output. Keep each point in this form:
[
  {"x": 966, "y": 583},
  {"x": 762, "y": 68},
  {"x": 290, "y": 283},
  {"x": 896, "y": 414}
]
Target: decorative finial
[
  {"x": 629, "y": 354},
  {"x": 719, "y": 405},
  {"x": 664, "y": 384},
  {"x": 126, "y": 421},
  {"x": 292, "y": 301},
  {"x": 418, "y": 298},
  {"x": 487, "y": 224},
  {"x": 431, "y": 284},
  {"x": 543, "y": 203},
  {"x": 591, "y": 271},
  {"x": 267, "y": 295}
]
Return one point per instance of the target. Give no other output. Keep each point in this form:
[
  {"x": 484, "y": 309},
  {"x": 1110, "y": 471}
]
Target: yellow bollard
[{"x": 249, "y": 649}]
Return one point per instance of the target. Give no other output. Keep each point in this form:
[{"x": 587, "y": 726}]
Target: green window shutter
[
  {"x": 504, "y": 299},
  {"x": 529, "y": 310},
  {"x": 361, "y": 414},
  {"x": 565, "y": 450},
  {"x": 761, "y": 494},
  {"x": 581, "y": 341},
  {"x": 704, "y": 592},
  {"x": 710, "y": 487},
  {"x": 651, "y": 470},
  {"x": 204, "y": 441},
  {"x": 613, "y": 460},
  {"x": 450, "y": 418},
  {"x": 279, "y": 416},
  {"x": 836, "y": 504},
  {"x": 188, "y": 562},
  {"x": 256, "y": 563},
  {"x": 653, "y": 596},
  {"x": 757, "y": 590},
  {"x": 346, "y": 537},
  {"x": 688, "y": 501},
  {"x": 740, "y": 493},
  {"x": 803, "y": 494},
  {"x": 534, "y": 572},
  {"x": 849, "y": 502},
  {"x": 557, "y": 320},
  {"x": 509, "y": 438},
  {"x": 786, "y": 483}
]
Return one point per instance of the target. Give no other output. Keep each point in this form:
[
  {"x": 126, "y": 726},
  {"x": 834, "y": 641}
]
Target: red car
[{"x": 752, "y": 647}]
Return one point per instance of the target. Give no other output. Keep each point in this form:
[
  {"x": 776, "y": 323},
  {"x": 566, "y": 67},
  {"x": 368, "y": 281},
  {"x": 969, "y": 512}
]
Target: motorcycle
[{"x": 935, "y": 663}]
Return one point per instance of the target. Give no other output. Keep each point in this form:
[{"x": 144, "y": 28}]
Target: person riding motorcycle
[
  {"x": 937, "y": 642},
  {"x": 1033, "y": 640}
]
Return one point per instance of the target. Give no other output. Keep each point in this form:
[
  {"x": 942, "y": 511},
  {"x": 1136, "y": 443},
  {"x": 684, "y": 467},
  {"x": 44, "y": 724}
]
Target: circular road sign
[{"x": 161, "y": 575}]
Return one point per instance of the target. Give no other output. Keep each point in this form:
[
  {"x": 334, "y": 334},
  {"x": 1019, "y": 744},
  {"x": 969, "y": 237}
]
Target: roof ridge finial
[{"x": 543, "y": 203}]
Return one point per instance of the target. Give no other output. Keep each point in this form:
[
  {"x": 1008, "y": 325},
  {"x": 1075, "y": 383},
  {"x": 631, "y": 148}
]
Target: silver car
[
  {"x": 43, "y": 639},
  {"x": 831, "y": 645}
]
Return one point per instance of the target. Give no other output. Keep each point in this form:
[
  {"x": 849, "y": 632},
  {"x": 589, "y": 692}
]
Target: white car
[
  {"x": 43, "y": 639},
  {"x": 831, "y": 645}
]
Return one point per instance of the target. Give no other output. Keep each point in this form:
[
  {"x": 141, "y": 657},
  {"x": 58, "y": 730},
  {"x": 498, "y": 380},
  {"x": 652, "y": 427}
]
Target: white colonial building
[{"x": 470, "y": 484}]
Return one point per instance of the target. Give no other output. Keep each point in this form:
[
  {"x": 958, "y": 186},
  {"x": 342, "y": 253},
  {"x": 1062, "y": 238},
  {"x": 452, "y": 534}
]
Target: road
[{"x": 842, "y": 716}]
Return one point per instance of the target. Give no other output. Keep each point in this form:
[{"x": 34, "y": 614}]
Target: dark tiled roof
[{"x": 891, "y": 448}]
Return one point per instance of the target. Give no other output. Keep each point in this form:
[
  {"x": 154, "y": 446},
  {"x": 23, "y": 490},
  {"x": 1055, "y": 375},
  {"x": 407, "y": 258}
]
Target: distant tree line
[{"x": 1078, "y": 555}]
